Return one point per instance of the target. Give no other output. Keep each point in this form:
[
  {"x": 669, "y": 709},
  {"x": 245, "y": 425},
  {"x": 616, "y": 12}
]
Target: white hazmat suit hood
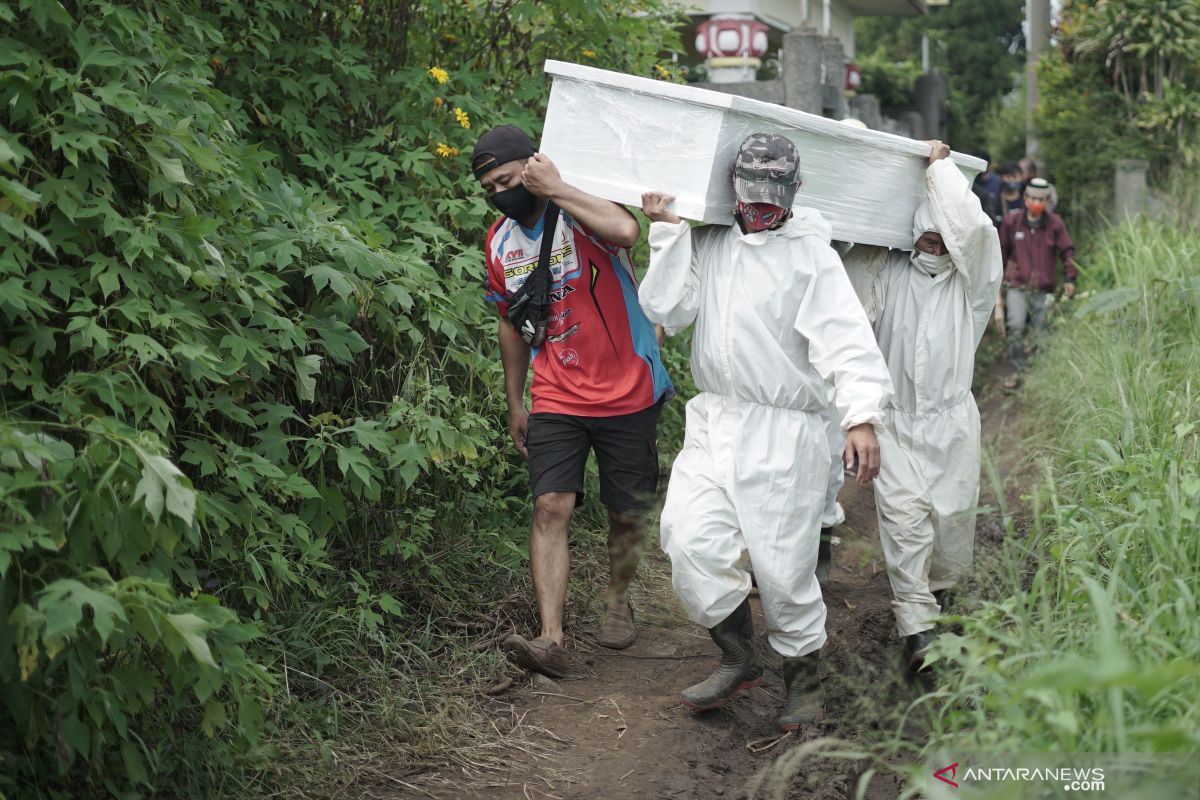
[{"x": 923, "y": 223}]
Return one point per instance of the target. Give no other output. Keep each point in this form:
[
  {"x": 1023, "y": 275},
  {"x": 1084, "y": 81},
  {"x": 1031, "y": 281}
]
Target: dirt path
[{"x": 616, "y": 730}]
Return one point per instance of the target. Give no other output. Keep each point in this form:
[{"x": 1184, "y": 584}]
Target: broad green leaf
[
  {"x": 77, "y": 735},
  {"x": 391, "y": 605},
  {"x": 191, "y": 629},
  {"x": 62, "y": 604},
  {"x": 327, "y": 275},
  {"x": 214, "y": 719},
  {"x": 170, "y": 168},
  {"x": 307, "y": 368},
  {"x": 131, "y": 756},
  {"x": 162, "y": 481}
]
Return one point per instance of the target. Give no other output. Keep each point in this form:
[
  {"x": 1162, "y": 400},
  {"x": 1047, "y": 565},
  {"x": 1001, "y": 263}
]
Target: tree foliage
[
  {"x": 891, "y": 81},
  {"x": 977, "y": 44},
  {"x": 241, "y": 370},
  {"x": 1125, "y": 79}
]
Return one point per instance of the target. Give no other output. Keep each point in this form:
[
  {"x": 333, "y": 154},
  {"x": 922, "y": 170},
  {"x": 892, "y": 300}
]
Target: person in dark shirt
[
  {"x": 1013, "y": 184},
  {"x": 1032, "y": 240},
  {"x": 987, "y": 187}
]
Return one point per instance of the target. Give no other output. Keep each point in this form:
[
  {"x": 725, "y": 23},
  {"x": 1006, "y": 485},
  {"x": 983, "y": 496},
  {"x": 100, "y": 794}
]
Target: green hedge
[{"x": 246, "y": 378}]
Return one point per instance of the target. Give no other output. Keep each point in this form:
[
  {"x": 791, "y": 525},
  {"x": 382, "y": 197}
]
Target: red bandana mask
[{"x": 759, "y": 216}]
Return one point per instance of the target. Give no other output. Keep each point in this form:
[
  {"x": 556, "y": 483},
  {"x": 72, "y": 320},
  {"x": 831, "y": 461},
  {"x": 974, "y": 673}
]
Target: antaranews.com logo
[
  {"x": 1072, "y": 779},
  {"x": 1045, "y": 776}
]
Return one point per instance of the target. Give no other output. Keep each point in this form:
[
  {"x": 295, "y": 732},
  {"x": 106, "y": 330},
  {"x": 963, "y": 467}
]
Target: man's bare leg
[{"x": 550, "y": 559}]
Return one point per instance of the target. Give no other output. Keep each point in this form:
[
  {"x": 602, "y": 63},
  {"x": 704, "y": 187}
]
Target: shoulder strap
[{"x": 548, "y": 230}]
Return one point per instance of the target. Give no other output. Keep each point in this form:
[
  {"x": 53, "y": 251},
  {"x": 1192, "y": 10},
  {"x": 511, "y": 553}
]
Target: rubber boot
[
  {"x": 915, "y": 647},
  {"x": 739, "y": 668},
  {"x": 805, "y": 694},
  {"x": 824, "y": 555},
  {"x": 944, "y": 598}
]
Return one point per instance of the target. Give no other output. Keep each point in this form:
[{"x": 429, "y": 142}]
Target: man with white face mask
[
  {"x": 778, "y": 330},
  {"x": 929, "y": 307}
]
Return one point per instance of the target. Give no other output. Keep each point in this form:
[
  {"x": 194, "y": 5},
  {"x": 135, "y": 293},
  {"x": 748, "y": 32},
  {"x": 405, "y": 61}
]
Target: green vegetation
[
  {"x": 1125, "y": 80},
  {"x": 250, "y": 458},
  {"x": 892, "y": 82},
  {"x": 1089, "y": 639},
  {"x": 978, "y": 45}
]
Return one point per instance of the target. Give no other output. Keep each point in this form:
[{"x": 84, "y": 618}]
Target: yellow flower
[
  {"x": 462, "y": 117},
  {"x": 588, "y": 53},
  {"x": 438, "y": 102},
  {"x": 438, "y": 74},
  {"x": 445, "y": 151},
  {"x": 662, "y": 71}
]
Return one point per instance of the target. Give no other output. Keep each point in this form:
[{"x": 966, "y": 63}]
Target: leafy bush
[
  {"x": 246, "y": 414},
  {"x": 1124, "y": 79},
  {"x": 892, "y": 82},
  {"x": 1005, "y": 126},
  {"x": 977, "y": 45}
]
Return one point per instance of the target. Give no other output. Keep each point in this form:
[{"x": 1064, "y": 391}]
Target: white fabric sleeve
[
  {"x": 670, "y": 291},
  {"x": 969, "y": 235},
  {"x": 841, "y": 344},
  {"x": 866, "y": 267}
]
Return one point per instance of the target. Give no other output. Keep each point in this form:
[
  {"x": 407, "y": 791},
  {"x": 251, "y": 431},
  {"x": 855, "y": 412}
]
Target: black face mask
[
  {"x": 1013, "y": 186},
  {"x": 517, "y": 203}
]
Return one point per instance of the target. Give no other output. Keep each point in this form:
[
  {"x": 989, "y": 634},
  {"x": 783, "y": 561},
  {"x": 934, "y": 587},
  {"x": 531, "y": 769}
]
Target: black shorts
[{"x": 626, "y": 453}]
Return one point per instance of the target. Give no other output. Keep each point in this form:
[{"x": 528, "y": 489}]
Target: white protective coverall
[
  {"x": 834, "y": 514},
  {"x": 929, "y": 326},
  {"x": 777, "y": 323}
]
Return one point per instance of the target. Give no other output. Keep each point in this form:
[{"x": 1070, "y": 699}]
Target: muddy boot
[
  {"x": 915, "y": 648},
  {"x": 824, "y": 555},
  {"x": 944, "y": 598},
  {"x": 805, "y": 694},
  {"x": 739, "y": 668}
]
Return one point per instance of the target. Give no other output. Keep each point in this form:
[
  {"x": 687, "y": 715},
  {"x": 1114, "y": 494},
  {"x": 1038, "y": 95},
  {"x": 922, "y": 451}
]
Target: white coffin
[{"x": 616, "y": 136}]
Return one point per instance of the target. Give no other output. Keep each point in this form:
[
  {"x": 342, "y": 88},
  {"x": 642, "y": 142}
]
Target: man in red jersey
[{"x": 598, "y": 380}]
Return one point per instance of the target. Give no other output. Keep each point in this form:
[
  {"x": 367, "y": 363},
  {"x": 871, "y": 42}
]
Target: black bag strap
[
  {"x": 528, "y": 306},
  {"x": 548, "y": 230}
]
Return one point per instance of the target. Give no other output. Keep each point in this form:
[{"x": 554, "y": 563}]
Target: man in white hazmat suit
[
  {"x": 777, "y": 324},
  {"x": 929, "y": 307}
]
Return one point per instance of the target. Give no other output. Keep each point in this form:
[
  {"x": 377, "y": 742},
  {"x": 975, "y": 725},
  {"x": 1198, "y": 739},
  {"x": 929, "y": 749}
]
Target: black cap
[{"x": 499, "y": 146}]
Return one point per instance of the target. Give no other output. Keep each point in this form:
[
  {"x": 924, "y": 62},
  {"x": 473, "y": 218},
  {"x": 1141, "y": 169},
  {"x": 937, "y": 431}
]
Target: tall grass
[{"x": 1089, "y": 639}]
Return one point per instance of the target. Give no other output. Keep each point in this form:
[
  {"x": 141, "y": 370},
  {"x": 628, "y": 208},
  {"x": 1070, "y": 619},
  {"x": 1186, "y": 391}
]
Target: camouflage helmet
[{"x": 767, "y": 170}]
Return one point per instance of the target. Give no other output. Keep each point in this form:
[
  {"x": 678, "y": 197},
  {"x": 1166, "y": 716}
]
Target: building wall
[{"x": 843, "y": 27}]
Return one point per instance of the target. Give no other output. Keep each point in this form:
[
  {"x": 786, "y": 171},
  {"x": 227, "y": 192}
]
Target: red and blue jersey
[{"x": 600, "y": 357}]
